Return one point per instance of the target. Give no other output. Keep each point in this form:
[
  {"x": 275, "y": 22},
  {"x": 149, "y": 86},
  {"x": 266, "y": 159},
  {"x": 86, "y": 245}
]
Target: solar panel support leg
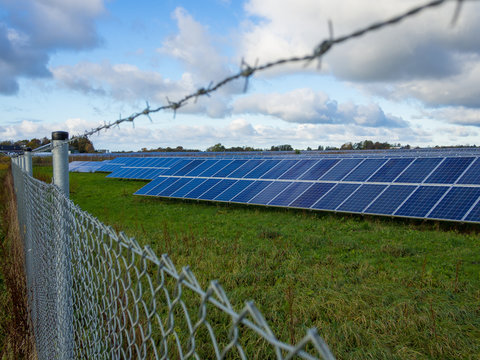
[{"x": 63, "y": 264}]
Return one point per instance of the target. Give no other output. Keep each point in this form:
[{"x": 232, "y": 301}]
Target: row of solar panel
[
  {"x": 86, "y": 166},
  {"x": 116, "y": 163},
  {"x": 459, "y": 203},
  {"x": 453, "y": 170}
]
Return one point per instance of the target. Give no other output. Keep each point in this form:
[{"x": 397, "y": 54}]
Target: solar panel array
[
  {"x": 443, "y": 188},
  {"x": 85, "y": 166}
]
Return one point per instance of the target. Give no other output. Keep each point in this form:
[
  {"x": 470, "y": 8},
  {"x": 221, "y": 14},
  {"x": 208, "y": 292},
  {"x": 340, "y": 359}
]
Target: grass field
[{"x": 375, "y": 288}]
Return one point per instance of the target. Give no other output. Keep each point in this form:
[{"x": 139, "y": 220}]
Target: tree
[
  {"x": 216, "y": 148},
  {"x": 34, "y": 143},
  {"x": 285, "y": 147},
  {"x": 83, "y": 145},
  {"x": 347, "y": 146}
]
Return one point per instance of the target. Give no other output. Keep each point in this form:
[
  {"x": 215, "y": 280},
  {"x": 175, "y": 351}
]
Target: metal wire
[
  {"x": 246, "y": 71},
  {"x": 96, "y": 293}
]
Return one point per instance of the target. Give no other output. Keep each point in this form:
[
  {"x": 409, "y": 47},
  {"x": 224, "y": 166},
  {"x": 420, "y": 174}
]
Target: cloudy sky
[{"x": 75, "y": 64}]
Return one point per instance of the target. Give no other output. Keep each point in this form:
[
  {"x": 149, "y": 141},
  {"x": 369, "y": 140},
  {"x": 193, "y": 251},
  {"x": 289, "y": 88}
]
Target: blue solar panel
[
  {"x": 390, "y": 171},
  {"x": 290, "y": 194},
  {"x": 260, "y": 170},
  {"x": 421, "y": 201},
  {"x": 279, "y": 169},
  {"x": 215, "y": 190},
  {"x": 234, "y": 165},
  {"x": 233, "y": 190},
  {"x": 361, "y": 198},
  {"x": 335, "y": 197},
  {"x": 187, "y": 168},
  {"x": 341, "y": 169},
  {"x": 311, "y": 195},
  {"x": 175, "y": 166},
  {"x": 251, "y": 191},
  {"x": 418, "y": 171},
  {"x": 298, "y": 169},
  {"x": 154, "y": 191},
  {"x": 390, "y": 199},
  {"x": 474, "y": 214},
  {"x": 472, "y": 175},
  {"x": 189, "y": 186},
  {"x": 245, "y": 169},
  {"x": 201, "y": 168},
  {"x": 119, "y": 173},
  {"x": 365, "y": 170},
  {"x": 270, "y": 192},
  {"x": 142, "y": 174},
  {"x": 319, "y": 169},
  {"x": 449, "y": 170},
  {"x": 169, "y": 190},
  {"x": 201, "y": 188},
  {"x": 455, "y": 203},
  {"x": 215, "y": 168}
]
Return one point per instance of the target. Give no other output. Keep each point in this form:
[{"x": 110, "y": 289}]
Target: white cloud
[
  {"x": 306, "y": 106},
  {"x": 456, "y": 115},
  {"x": 423, "y": 57},
  {"x": 195, "y": 47},
  {"x": 33, "y": 29},
  {"x": 28, "y": 129}
]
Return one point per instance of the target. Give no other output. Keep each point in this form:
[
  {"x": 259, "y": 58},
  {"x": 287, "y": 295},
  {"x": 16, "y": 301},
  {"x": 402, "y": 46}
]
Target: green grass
[{"x": 375, "y": 288}]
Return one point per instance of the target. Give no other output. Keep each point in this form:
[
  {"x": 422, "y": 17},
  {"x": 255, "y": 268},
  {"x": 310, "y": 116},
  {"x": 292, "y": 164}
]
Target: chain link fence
[{"x": 94, "y": 293}]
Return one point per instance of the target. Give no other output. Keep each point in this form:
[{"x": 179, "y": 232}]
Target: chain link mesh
[{"x": 96, "y": 293}]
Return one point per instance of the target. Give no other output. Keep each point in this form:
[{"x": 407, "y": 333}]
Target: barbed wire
[{"x": 246, "y": 71}]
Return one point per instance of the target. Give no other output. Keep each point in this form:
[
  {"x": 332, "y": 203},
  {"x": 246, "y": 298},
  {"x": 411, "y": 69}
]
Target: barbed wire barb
[{"x": 456, "y": 14}]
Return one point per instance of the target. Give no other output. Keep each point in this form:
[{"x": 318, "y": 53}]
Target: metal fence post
[
  {"x": 63, "y": 247},
  {"x": 22, "y": 162},
  {"x": 28, "y": 161},
  {"x": 60, "y": 161}
]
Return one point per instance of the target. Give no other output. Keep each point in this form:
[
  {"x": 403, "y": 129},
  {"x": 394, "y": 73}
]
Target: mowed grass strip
[{"x": 374, "y": 287}]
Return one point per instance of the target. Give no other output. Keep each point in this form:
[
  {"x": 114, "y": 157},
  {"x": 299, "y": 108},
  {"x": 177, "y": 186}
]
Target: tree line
[{"x": 80, "y": 144}]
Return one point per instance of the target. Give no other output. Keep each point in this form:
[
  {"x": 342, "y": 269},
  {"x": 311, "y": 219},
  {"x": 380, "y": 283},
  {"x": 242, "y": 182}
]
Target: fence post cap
[{"x": 59, "y": 135}]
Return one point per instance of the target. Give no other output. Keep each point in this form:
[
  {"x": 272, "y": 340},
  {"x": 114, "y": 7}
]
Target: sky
[{"x": 73, "y": 65}]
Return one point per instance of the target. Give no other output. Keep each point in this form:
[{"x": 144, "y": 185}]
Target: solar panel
[
  {"x": 455, "y": 203},
  {"x": 264, "y": 197},
  {"x": 332, "y": 199},
  {"x": 290, "y": 194},
  {"x": 365, "y": 170},
  {"x": 202, "y": 188},
  {"x": 441, "y": 187},
  {"x": 341, "y": 169},
  {"x": 319, "y": 169},
  {"x": 251, "y": 191},
  {"x": 216, "y": 189},
  {"x": 449, "y": 170},
  {"x": 390, "y": 199},
  {"x": 233, "y": 190},
  {"x": 310, "y": 196},
  {"x": 361, "y": 198},
  {"x": 421, "y": 201}
]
